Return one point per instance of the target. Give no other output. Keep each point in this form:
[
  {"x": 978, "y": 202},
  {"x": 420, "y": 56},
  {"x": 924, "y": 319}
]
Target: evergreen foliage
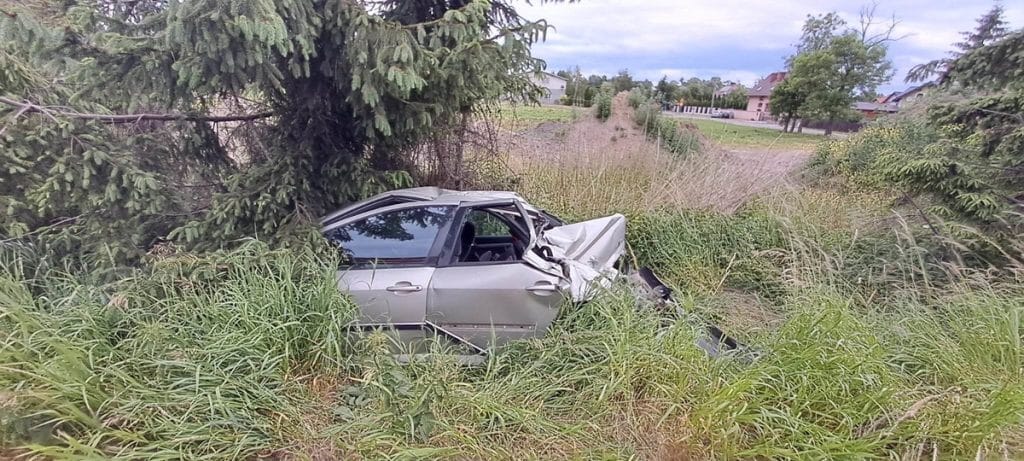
[
  {"x": 976, "y": 170},
  {"x": 966, "y": 157},
  {"x": 991, "y": 27},
  {"x": 333, "y": 98}
]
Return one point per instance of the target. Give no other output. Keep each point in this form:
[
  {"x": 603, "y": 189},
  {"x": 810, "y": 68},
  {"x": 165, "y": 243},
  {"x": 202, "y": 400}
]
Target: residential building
[
  {"x": 909, "y": 96},
  {"x": 553, "y": 85},
  {"x": 760, "y": 95}
]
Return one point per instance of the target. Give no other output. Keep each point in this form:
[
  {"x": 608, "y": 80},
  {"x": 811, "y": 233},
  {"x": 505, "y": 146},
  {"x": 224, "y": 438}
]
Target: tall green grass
[
  {"x": 245, "y": 355},
  {"x": 195, "y": 358}
]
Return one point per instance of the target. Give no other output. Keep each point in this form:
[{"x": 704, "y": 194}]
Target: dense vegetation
[
  {"x": 130, "y": 123},
  {"x": 881, "y": 300},
  {"x": 242, "y": 354},
  {"x": 671, "y": 133},
  {"x": 962, "y": 156}
]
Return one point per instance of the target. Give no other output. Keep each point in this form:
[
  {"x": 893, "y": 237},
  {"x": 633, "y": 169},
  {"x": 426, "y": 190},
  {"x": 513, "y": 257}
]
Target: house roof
[
  {"x": 887, "y": 98},
  {"x": 728, "y": 89},
  {"x": 545, "y": 76},
  {"x": 765, "y": 86},
  {"x": 899, "y": 96}
]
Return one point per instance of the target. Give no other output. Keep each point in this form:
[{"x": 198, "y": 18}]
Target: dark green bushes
[
  {"x": 603, "y": 102},
  {"x": 938, "y": 181}
]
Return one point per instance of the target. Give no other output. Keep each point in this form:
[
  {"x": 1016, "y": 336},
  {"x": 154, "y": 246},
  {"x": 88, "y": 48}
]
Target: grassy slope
[
  {"x": 520, "y": 118},
  {"x": 867, "y": 351},
  {"x": 738, "y": 136}
]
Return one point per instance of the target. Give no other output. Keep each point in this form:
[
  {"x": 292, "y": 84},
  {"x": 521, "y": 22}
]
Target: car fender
[{"x": 586, "y": 253}]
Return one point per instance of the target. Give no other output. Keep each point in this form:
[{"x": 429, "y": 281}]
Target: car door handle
[
  {"x": 542, "y": 288},
  {"x": 404, "y": 287}
]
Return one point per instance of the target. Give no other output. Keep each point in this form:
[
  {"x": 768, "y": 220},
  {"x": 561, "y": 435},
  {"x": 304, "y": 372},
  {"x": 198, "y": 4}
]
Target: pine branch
[{"x": 28, "y": 107}]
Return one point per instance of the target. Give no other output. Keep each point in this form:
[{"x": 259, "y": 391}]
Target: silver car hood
[{"x": 583, "y": 254}]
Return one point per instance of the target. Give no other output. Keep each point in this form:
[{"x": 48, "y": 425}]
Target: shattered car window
[{"x": 401, "y": 236}]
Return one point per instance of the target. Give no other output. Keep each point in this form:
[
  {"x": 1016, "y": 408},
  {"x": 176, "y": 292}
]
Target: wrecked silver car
[{"x": 479, "y": 268}]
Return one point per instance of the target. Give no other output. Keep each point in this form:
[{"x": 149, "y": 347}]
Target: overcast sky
[{"x": 739, "y": 40}]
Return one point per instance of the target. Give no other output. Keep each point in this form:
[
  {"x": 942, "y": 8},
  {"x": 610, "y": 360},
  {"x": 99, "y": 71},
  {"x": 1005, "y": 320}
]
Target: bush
[
  {"x": 671, "y": 133},
  {"x": 637, "y": 96},
  {"x": 603, "y": 103},
  {"x": 866, "y": 156},
  {"x": 971, "y": 221}
]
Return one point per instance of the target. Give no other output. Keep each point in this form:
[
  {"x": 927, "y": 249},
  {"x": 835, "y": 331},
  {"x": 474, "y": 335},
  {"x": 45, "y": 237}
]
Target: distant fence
[
  {"x": 738, "y": 114},
  {"x": 844, "y": 127}
]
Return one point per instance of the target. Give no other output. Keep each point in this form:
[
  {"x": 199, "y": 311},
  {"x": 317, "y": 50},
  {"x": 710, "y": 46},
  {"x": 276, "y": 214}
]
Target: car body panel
[
  {"x": 503, "y": 302},
  {"x": 587, "y": 251},
  {"x": 391, "y": 295}
]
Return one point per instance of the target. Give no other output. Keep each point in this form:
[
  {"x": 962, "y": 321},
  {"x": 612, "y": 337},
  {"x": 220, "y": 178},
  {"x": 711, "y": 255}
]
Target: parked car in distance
[{"x": 721, "y": 114}]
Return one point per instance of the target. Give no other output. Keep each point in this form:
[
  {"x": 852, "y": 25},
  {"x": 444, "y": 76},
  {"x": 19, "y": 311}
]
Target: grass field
[
  {"x": 868, "y": 347},
  {"x": 746, "y": 137},
  {"x": 519, "y": 118}
]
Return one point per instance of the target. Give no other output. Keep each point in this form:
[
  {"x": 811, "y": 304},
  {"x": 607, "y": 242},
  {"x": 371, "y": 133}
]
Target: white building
[{"x": 553, "y": 85}]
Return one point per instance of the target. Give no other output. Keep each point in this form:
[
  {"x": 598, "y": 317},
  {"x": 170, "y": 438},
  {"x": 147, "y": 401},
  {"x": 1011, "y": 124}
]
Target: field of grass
[
  {"x": 746, "y": 137},
  {"x": 243, "y": 355},
  {"x": 520, "y": 118},
  {"x": 867, "y": 345}
]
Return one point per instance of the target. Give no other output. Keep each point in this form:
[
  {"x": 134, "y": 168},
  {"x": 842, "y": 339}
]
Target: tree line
[{"x": 585, "y": 90}]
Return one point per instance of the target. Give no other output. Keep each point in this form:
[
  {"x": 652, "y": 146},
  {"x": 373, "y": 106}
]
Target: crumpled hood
[{"x": 586, "y": 252}]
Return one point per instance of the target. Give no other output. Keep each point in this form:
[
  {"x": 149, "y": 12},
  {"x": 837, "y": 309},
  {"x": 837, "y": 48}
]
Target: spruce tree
[
  {"x": 975, "y": 173},
  {"x": 126, "y": 123},
  {"x": 991, "y": 28}
]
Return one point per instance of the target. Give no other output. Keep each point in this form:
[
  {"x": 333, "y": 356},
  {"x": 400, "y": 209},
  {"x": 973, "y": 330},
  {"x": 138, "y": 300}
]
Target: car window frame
[
  {"x": 433, "y": 253},
  {"x": 447, "y": 257}
]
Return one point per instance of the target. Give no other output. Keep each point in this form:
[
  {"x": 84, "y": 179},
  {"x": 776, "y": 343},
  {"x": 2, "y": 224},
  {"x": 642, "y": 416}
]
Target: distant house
[
  {"x": 909, "y": 96},
  {"x": 553, "y": 85},
  {"x": 759, "y": 96}
]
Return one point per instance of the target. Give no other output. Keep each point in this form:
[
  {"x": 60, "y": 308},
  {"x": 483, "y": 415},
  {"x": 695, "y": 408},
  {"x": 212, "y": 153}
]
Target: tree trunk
[
  {"x": 828, "y": 126},
  {"x": 799, "y": 125}
]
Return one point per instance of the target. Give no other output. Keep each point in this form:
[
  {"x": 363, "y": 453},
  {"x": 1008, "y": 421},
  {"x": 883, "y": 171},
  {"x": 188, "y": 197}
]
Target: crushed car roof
[{"x": 433, "y": 195}]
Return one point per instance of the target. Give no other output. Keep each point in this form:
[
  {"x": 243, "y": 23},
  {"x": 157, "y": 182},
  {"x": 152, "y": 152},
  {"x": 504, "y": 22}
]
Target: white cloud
[
  {"x": 736, "y": 39},
  {"x": 655, "y": 26}
]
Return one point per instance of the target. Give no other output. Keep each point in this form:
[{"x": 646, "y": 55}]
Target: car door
[
  {"x": 503, "y": 300},
  {"x": 389, "y": 257}
]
